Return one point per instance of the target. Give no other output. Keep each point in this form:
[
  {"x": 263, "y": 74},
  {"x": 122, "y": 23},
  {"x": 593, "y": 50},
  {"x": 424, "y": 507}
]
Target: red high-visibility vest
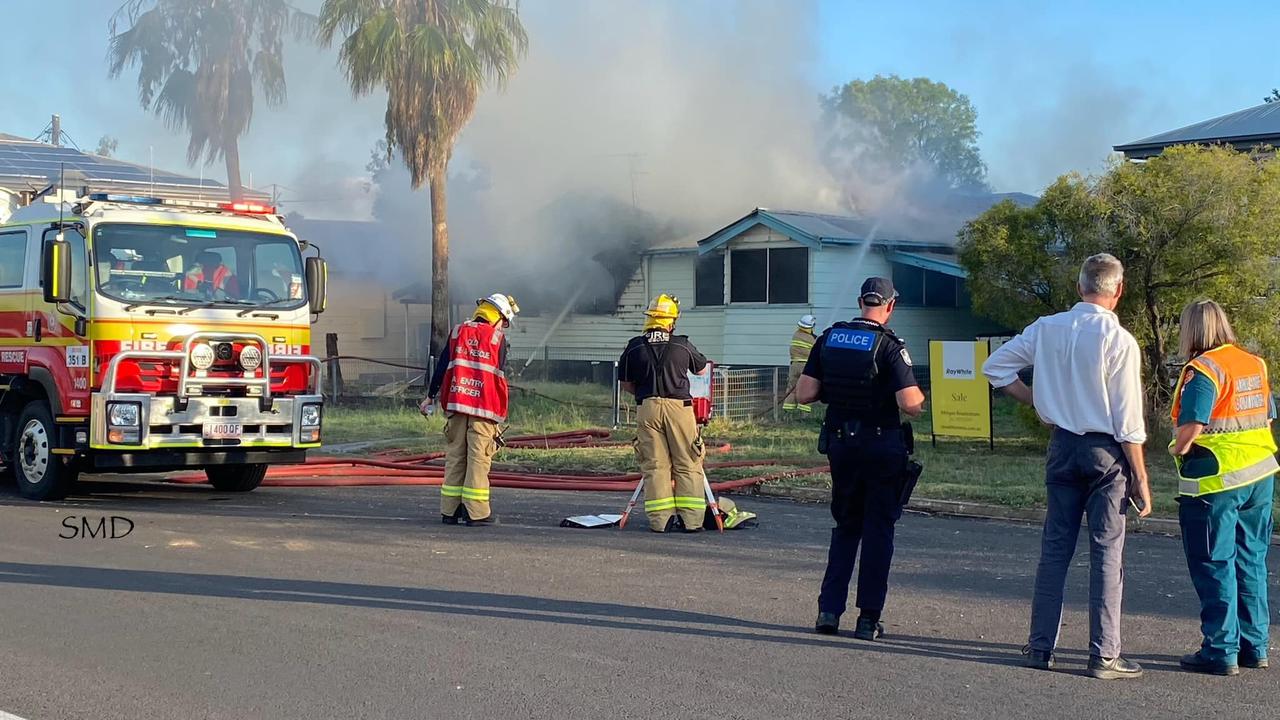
[
  {"x": 474, "y": 383},
  {"x": 219, "y": 279}
]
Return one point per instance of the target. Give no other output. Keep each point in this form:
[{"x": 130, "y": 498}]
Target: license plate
[{"x": 223, "y": 431}]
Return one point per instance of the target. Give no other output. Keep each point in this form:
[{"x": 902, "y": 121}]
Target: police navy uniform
[{"x": 862, "y": 365}]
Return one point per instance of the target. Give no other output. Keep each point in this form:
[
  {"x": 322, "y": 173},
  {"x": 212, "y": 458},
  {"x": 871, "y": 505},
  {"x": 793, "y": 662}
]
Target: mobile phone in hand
[{"x": 1137, "y": 504}]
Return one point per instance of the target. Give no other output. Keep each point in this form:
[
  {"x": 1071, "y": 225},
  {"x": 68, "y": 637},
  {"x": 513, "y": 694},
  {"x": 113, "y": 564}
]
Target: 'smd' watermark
[{"x": 101, "y": 527}]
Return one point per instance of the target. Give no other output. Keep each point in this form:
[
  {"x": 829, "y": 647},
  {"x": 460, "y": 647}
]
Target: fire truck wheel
[
  {"x": 236, "y": 478},
  {"x": 41, "y": 474}
]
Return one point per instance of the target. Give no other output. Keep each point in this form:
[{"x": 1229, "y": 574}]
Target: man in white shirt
[{"x": 1088, "y": 388}]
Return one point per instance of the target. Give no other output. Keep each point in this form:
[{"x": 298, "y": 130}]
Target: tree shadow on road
[{"x": 488, "y": 605}]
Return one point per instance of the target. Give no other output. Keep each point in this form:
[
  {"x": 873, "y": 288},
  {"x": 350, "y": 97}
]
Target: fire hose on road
[{"x": 415, "y": 470}]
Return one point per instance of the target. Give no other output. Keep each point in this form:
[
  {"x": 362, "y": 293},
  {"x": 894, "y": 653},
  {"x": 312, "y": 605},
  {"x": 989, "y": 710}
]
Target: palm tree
[
  {"x": 433, "y": 57},
  {"x": 198, "y": 61}
]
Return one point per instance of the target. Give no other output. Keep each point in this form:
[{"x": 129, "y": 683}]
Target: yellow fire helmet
[
  {"x": 664, "y": 307},
  {"x": 497, "y": 306}
]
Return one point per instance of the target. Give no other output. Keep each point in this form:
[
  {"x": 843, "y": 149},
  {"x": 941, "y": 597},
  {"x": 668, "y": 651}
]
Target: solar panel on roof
[{"x": 27, "y": 159}]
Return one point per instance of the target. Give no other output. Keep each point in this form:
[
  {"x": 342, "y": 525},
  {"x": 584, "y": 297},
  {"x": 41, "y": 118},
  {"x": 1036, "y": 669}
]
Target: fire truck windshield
[{"x": 179, "y": 265}]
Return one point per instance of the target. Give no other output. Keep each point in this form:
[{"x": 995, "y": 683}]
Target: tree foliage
[
  {"x": 1194, "y": 222},
  {"x": 199, "y": 61},
  {"x": 898, "y": 124},
  {"x": 433, "y": 58},
  {"x": 107, "y": 146}
]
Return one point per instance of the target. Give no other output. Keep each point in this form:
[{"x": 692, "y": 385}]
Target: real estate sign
[{"x": 960, "y": 399}]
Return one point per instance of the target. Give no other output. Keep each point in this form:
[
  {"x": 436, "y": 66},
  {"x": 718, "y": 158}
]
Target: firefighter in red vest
[
  {"x": 470, "y": 385},
  {"x": 210, "y": 272}
]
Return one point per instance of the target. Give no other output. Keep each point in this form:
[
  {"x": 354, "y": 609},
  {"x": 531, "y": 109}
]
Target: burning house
[{"x": 744, "y": 286}]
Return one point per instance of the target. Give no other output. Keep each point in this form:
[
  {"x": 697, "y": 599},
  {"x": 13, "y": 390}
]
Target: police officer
[
  {"x": 862, "y": 371},
  {"x": 470, "y": 385},
  {"x": 655, "y": 368}
]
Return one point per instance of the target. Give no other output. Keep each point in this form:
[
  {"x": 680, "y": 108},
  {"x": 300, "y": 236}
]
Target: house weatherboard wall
[{"x": 743, "y": 288}]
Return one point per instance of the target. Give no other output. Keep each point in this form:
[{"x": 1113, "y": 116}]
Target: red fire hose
[{"x": 414, "y": 470}]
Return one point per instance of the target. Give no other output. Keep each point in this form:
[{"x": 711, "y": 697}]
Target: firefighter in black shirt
[
  {"x": 655, "y": 368},
  {"x": 862, "y": 371}
]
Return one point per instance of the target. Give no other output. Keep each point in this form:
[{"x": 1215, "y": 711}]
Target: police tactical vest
[
  {"x": 1239, "y": 430},
  {"x": 474, "y": 383},
  {"x": 850, "y": 373}
]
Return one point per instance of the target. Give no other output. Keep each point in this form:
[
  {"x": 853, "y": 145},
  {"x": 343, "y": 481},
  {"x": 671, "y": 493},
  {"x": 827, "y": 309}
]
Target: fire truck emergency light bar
[{"x": 241, "y": 208}]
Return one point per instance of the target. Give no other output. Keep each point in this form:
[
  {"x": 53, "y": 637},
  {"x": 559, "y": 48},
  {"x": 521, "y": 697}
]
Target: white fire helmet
[
  {"x": 504, "y": 304},
  {"x": 808, "y": 322}
]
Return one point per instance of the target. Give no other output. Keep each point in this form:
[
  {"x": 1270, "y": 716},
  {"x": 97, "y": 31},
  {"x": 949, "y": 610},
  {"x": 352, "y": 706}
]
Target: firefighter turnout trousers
[
  {"x": 470, "y": 444},
  {"x": 793, "y": 379},
  {"x": 670, "y": 454}
]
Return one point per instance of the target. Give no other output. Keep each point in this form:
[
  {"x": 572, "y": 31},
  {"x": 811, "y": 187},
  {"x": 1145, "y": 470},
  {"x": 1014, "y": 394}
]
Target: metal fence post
[
  {"x": 774, "y": 401},
  {"x": 617, "y": 398}
]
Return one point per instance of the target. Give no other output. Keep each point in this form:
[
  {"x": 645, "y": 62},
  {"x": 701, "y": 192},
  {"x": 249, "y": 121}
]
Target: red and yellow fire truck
[{"x": 150, "y": 334}]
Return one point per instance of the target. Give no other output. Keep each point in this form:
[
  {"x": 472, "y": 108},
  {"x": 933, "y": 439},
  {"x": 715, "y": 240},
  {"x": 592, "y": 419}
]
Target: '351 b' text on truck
[{"x": 144, "y": 334}]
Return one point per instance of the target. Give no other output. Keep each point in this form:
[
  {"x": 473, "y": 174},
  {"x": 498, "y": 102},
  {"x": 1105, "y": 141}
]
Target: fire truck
[{"x": 150, "y": 334}]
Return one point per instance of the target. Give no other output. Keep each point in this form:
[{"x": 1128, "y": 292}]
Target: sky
[{"x": 1055, "y": 86}]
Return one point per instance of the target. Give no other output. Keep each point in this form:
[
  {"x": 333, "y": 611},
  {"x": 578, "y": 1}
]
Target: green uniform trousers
[{"x": 1226, "y": 537}]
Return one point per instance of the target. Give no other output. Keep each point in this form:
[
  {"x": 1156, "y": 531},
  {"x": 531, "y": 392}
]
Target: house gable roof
[
  {"x": 935, "y": 228},
  {"x": 1244, "y": 129}
]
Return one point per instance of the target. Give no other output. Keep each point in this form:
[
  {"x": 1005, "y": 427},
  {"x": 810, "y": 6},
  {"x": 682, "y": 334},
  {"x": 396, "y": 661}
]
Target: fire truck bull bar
[{"x": 277, "y": 420}]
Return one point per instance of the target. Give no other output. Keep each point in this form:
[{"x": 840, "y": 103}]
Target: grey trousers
[{"x": 1084, "y": 474}]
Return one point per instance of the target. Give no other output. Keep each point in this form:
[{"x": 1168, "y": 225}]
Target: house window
[
  {"x": 772, "y": 275},
  {"x": 708, "y": 286},
  {"x": 788, "y": 275},
  {"x": 925, "y": 288}
]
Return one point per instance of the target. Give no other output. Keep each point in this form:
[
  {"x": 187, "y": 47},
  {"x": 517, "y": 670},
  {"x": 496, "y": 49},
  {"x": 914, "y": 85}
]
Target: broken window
[{"x": 772, "y": 275}]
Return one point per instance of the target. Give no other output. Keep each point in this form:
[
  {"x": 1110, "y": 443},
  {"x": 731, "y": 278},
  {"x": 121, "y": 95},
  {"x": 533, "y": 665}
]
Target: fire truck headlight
[
  {"x": 123, "y": 414},
  {"x": 310, "y": 416},
  {"x": 202, "y": 356},
  {"x": 250, "y": 357}
]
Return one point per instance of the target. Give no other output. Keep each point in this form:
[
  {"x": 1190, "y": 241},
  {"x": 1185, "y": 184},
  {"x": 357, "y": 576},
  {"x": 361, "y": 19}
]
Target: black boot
[
  {"x": 487, "y": 521},
  {"x": 1116, "y": 668},
  {"x": 1196, "y": 662},
  {"x": 1252, "y": 660},
  {"x": 1038, "y": 659},
  {"x": 827, "y": 624},
  {"x": 868, "y": 629}
]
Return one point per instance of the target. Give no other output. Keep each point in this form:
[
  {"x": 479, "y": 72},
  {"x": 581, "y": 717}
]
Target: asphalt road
[{"x": 331, "y": 603}]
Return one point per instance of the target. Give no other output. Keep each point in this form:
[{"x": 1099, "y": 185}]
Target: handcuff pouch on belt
[{"x": 911, "y": 470}]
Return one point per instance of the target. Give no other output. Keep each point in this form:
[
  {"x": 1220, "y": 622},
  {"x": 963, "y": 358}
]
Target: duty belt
[{"x": 687, "y": 403}]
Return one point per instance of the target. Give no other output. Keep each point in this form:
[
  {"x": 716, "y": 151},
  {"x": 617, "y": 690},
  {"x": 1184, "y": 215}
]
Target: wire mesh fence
[{"x": 739, "y": 394}]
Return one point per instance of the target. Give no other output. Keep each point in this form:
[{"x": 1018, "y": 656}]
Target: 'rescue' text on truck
[{"x": 144, "y": 334}]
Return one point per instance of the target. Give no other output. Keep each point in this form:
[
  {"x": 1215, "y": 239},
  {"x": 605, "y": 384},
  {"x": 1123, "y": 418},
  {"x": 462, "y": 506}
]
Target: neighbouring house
[
  {"x": 366, "y": 265},
  {"x": 1244, "y": 130},
  {"x": 743, "y": 287},
  {"x": 29, "y": 167}
]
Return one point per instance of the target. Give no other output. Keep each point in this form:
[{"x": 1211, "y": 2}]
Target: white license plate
[{"x": 223, "y": 431}]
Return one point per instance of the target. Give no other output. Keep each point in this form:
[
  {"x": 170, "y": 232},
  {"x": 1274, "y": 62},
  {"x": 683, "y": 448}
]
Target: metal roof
[
  {"x": 1244, "y": 130},
  {"x": 937, "y": 262},
  {"x": 30, "y": 165},
  {"x": 934, "y": 225}
]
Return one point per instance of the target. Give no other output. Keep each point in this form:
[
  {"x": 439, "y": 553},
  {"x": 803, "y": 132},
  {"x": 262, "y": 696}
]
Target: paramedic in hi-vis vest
[
  {"x": 801, "y": 343},
  {"x": 470, "y": 385},
  {"x": 1222, "y": 409},
  {"x": 655, "y": 368}
]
